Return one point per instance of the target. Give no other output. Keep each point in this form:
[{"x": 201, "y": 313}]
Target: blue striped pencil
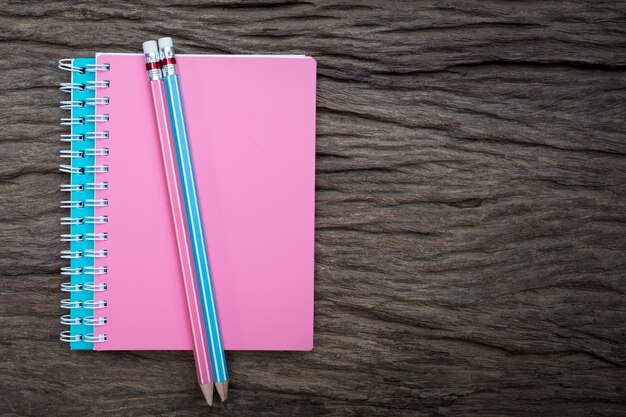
[{"x": 194, "y": 219}]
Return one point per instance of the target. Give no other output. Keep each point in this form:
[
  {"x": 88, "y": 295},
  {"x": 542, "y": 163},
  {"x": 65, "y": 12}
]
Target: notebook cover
[{"x": 251, "y": 124}]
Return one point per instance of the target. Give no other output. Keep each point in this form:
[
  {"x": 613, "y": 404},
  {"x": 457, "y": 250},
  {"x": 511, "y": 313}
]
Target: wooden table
[{"x": 471, "y": 210}]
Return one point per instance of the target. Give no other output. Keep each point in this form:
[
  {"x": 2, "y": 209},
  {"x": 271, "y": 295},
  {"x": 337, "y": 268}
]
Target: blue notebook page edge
[{"x": 81, "y": 212}]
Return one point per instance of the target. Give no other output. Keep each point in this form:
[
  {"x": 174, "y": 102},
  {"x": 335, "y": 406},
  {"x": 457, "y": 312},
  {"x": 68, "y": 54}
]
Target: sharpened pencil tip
[
  {"x": 207, "y": 391},
  {"x": 226, "y": 405},
  {"x": 222, "y": 389}
]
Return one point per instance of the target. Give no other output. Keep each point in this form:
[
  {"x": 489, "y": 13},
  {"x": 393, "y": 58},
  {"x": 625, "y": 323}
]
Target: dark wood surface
[{"x": 471, "y": 210}]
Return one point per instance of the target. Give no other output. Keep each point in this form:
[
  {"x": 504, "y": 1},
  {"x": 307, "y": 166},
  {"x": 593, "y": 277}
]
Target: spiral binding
[
  {"x": 67, "y": 336},
  {"x": 68, "y": 270},
  {"x": 68, "y": 153},
  {"x": 67, "y": 64},
  {"x": 72, "y": 204},
  {"x": 97, "y": 236},
  {"x": 69, "y": 321},
  {"x": 95, "y": 338},
  {"x": 97, "y": 185},
  {"x": 72, "y": 220},
  {"x": 69, "y": 87},
  {"x": 81, "y": 304},
  {"x": 97, "y": 101},
  {"x": 96, "y": 219},
  {"x": 72, "y": 104},
  {"x": 94, "y": 85},
  {"x": 71, "y": 254},
  {"x": 94, "y": 321},
  {"x": 98, "y": 135},
  {"x": 97, "y": 169},
  {"x": 71, "y": 121},
  {"x": 72, "y": 137},
  {"x": 71, "y": 169},
  {"x": 69, "y": 287},
  {"x": 93, "y": 253},
  {"x": 72, "y": 187},
  {"x": 88, "y": 286},
  {"x": 71, "y": 237}
]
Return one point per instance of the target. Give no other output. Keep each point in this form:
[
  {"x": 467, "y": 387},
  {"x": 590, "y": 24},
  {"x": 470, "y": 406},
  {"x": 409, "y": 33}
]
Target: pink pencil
[{"x": 200, "y": 342}]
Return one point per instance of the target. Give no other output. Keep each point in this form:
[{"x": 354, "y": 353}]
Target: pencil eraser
[
  {"x": 150, "y": 47},
  {"x": 166, "y": 43}
]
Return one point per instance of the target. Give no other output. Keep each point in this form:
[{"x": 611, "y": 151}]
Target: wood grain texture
[{"x": 471, "y": 209}]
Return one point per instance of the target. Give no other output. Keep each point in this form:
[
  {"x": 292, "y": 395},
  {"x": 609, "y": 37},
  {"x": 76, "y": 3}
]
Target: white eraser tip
[
  {"x": 166, "y": 43},
  {"x": 150, "y": 47}
]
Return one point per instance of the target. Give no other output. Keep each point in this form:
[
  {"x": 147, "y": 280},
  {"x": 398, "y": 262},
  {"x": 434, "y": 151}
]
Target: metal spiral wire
[{"x": 76, "y": 185}]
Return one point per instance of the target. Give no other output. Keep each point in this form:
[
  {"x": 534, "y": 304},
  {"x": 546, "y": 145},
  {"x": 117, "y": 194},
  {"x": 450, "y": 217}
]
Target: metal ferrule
[
  {"x": 152, "y": 66},
  {"x": 168, "y": 61}
]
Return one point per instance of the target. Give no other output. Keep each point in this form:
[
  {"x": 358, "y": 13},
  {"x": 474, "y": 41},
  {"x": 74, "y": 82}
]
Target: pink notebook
[{"x": 251, "y": 122}]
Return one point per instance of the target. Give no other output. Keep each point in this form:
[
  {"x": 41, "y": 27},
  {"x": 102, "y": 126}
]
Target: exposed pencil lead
[{"x": 226, "y": 405}]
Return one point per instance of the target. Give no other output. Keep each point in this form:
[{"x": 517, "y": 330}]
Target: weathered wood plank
[{"x": 471, "y": 200}]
